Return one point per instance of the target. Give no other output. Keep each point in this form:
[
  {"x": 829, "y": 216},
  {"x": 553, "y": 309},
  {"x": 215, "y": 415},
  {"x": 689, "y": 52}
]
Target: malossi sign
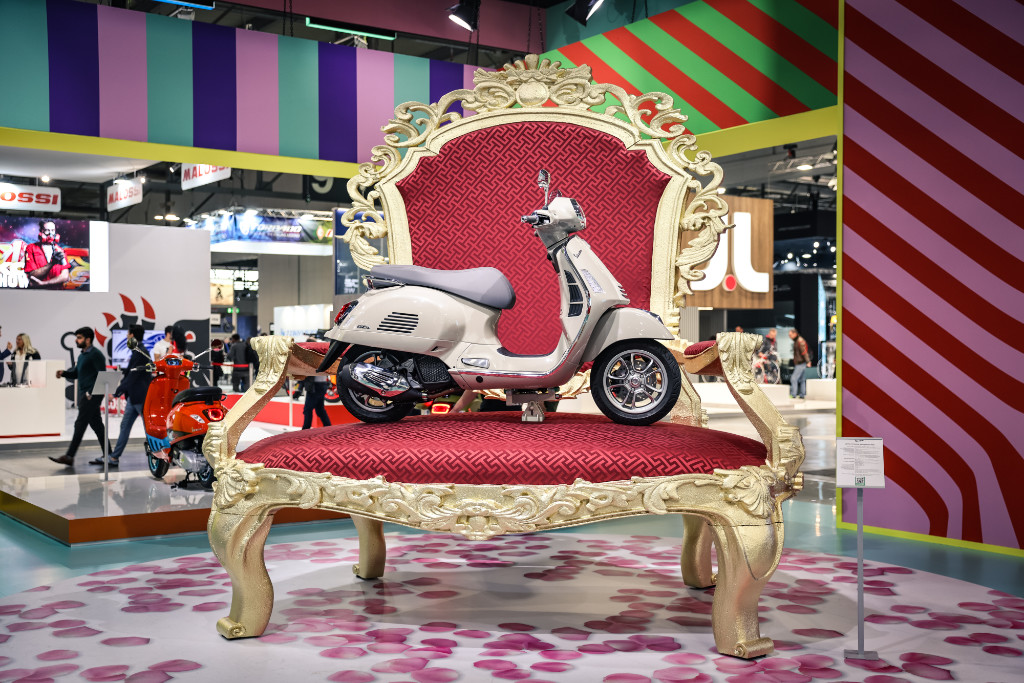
[
  {"x": 194, "y": 175},
  {"x": 29, "y": 197},
  {"x": 739, "y": 275},
  {"x": 124, "y": 193}
]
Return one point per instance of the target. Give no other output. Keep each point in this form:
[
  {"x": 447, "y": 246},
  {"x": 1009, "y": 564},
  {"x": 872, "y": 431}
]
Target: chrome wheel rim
[{"x": 635, "y": 381}]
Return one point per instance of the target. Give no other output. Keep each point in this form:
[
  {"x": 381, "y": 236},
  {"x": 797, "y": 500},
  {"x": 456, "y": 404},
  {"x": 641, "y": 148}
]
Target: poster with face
[{"x": 44, "y": 253}]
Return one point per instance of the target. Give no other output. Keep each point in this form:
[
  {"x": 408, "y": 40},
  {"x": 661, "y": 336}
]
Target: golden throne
[{"x": 638, "y": 172}]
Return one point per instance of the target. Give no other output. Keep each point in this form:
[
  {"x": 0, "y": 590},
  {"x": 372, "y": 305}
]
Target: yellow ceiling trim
[{"x": 807, "y": 125}]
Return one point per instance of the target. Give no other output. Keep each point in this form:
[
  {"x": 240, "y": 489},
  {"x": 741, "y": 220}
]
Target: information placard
[{"x": 859, "y": 463}]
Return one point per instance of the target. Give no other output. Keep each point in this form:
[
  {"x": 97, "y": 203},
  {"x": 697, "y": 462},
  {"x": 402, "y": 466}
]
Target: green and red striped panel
[{"x": 725, "y": 62}]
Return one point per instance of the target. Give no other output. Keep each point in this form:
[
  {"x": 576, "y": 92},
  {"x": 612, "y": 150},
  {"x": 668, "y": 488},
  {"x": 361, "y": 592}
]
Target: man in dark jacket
[
  {"x": 133, "y": 387},
  {"x": 801, "y": 361},
  {"x": 90, "y": 363},
  {"x": 239, "y": 361}
]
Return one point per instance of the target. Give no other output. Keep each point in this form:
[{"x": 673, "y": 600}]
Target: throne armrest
[
  {"x": 730, "y": 356},
  {"x": 279, "y": 357}
]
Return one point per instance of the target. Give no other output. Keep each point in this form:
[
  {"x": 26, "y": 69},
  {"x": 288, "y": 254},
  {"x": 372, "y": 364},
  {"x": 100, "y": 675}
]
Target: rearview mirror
[{"x": 544, "y": 183}]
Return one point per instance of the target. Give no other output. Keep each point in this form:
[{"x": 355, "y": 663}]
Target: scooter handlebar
[{"x": 532, "y": 219}]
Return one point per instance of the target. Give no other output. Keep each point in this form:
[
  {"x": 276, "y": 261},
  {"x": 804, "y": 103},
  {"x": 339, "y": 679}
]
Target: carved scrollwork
[
  {"x": 735, "y": 352},
  {"x": 235, "y": 480},
  {"x": 752, "y": 488}
]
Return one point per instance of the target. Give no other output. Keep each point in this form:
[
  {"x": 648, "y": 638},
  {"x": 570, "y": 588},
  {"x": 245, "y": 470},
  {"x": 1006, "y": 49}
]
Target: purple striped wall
[
  {"x": 338, "y": 111},
  {"x": 122, "y": 74},
  {"x": 256, "y": 92},
  {"x": 74, "y": 67},
  {"x": 375, "y": 73},
  {"x": 214, "y": 107}
]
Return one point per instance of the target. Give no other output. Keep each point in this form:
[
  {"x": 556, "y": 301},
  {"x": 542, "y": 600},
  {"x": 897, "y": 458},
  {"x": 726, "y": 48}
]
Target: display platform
[{"x": 547, "y": 607}]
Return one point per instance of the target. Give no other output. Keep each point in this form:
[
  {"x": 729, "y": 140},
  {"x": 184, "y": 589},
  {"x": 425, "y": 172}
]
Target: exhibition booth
[{"x": 725, "y": 517}]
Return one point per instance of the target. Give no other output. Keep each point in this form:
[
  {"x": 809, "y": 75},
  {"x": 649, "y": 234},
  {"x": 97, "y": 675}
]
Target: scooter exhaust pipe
[{"x": 380, "y": 382}]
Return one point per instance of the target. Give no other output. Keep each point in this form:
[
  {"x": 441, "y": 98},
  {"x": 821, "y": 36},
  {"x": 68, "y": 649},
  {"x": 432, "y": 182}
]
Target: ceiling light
[
  {"x": 306, "y": 217},
  {"x": 142, "y": 178},
  {"x": 45, "y": 178},
  {"x": 122, "y": 181},
  {"x": 354, "y": 29},
  {"x": 205, "y": 216},
  {"x": 804, "y": 167},
  {"x": 196, "y": 5},
  {"x": 721, "y": 190},
  {"x": 833, "y": 250},
  {"x": 465, "y": 14},
  {"x": 251, "y": 212},
  {"x": 582, "y": 10},
  {"x": 223, "y": 212},
  {"x": 807, "y": 256},
  {"x": 789, "y": 255},
  {"x": 158, "y": 218},
  {"x": 171, "y": 217},
  {"x": 816, "y": 245},
  {"x": 172, "y": 168}
]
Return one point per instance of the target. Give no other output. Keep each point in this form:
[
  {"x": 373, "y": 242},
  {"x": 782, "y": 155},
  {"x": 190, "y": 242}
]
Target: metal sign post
[
  {"x": 105, "y": 379},
  {"x": 859, "y": 464}
]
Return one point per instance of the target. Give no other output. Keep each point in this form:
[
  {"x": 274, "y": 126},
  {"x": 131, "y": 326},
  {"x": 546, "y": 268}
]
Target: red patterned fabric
[
  {"x": 498, "y": 448},
  {"x": 698, "y": 348},
  {"x": 315, "y": 347},
  {"x": 464, "y": 207}
]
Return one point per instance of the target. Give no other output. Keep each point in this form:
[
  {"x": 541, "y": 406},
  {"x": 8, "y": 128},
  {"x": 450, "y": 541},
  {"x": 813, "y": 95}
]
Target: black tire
[
  {"x": 651, "y": 379},
  {"x": 332, "y": 395},
  {"x": 206, "y": 476},
  {"x": 366, "y": 408},
  {"x": 157, "y": 467}
]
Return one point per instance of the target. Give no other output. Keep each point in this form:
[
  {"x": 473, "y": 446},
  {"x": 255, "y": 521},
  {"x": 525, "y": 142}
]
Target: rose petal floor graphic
[{"x": 547, "y": 607}]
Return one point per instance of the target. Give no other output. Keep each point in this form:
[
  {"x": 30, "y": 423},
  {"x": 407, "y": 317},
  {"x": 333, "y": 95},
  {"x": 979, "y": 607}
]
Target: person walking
[
  {"x": 90, "y": 363},
  {"x": 316, "y": 390},
  {"x": 240, "y": 365},
  {"x": 133, "y": 387},
  {"x": 217, "y": 360},
  {"x": 801, "y": 361},
  {"x": 23, "y": 353}
]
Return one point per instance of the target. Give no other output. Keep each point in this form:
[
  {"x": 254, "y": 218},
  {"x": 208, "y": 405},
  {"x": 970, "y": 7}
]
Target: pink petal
[
  {"x": 52, "y": 655},
  {"x": 113, "y": 672},
  {"x": 552, "y": 667},
  {"x": 685, "y": 658},
  {"x": 350, "y": 676},
  {"x": 77, "y": 632},
  {"x": 343, "y": 652},
  {"x": 435, "y": 676},
  {"x": 148, "y": 677},
  {"x": 209, "y": 606},
  {"x": 626, "y": 678},
  {"x": 925, "y": 658},
  {"x": 176, "y": 665},
  {"x": 128, "y": 641},
  {"x": 401, "y": 665},
  {"x": 928, "y": 671},
  {"x": 1002, "y": 651}
]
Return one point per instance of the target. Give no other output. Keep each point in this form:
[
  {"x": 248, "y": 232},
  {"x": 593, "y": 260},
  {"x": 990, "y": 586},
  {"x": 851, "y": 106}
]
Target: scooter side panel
[
  {"x": 619, "y": 324},
  {"x": 414, "y": 320}
]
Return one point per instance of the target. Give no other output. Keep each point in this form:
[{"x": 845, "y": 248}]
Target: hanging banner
[
  {"x": 29, "y": 197},
  {"x": 127, "y": 192},
  {"x": 44, "y": 254},
  {"x": 254, "y": 228},
  {"x": 194, "y": 175}
]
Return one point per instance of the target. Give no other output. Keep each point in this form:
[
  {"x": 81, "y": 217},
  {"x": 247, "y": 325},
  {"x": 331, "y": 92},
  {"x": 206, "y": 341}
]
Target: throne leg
[
  {"x": 372, "y": 548},
  {"x": 695, "y": 559},
  {"x": 237, "y": 541},
  {"x": 747, "y": 557}
]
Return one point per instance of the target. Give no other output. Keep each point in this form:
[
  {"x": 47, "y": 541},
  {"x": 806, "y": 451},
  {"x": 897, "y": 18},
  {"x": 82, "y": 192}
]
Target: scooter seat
[
  {"x": 485, "y": 286},
  {"x": 206, "y": 394}
]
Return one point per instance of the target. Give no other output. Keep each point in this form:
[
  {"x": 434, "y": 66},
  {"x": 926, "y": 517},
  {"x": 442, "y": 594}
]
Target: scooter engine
[{"x": 192, "y": 462}]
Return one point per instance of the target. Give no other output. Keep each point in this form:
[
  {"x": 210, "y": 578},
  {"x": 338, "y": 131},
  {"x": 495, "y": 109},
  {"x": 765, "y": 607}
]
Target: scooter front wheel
[
  {"x": 157, "y": 466},
  {"x": 635, "y": 382}
]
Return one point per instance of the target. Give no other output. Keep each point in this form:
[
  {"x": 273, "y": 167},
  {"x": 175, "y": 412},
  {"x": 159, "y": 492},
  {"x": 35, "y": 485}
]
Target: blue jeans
[
  {"x": 797, "y": 383},
  {"x": 131, "y": 411}
]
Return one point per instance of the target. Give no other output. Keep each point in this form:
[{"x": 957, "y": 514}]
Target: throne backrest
[{"x": 450, "y": 191}]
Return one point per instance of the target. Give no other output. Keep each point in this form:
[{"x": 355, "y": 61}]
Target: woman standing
[{"x": 23, "y": 353}]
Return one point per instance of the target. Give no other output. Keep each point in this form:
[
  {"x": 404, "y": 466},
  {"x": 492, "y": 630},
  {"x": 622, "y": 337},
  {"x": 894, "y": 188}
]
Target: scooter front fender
[{"x": 619, "y": 324}]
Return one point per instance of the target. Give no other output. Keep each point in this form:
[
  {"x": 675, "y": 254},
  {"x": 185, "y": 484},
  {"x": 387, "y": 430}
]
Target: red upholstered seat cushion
[
  {"x": 316, "y": 347},
  {"x": 464, "y": 207},
  {"x": 699, "y": 348},
  {"x": 498, "y": 448}
]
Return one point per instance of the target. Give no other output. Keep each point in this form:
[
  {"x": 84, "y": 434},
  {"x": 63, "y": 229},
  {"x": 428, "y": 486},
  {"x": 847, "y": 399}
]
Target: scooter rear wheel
[
  {"x": 157, "y": 466},
  {"x": 367, "y": 408},
  {"x": 635, "y": 382}
]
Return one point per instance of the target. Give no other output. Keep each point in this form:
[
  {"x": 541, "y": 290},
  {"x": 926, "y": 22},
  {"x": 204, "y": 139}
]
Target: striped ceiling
[
  {"x": 96, "y": 70},
  {"x": 933, "y": 261},
  {"x": 725, "y": 62}
]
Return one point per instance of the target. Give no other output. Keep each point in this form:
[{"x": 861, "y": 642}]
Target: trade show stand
[{"x": 35, "y": 408}]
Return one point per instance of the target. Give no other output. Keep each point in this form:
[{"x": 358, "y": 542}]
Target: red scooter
[{"x": 176, "y": 416}]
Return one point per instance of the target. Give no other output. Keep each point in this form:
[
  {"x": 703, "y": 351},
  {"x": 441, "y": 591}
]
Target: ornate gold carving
[
  {"x": 523, "y": 86},
  {"x": 751, "y": 488},
  {"x": 736, "y": 351}
]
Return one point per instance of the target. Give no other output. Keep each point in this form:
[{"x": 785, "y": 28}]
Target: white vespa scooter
[{"x": 419, "y": 333}]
